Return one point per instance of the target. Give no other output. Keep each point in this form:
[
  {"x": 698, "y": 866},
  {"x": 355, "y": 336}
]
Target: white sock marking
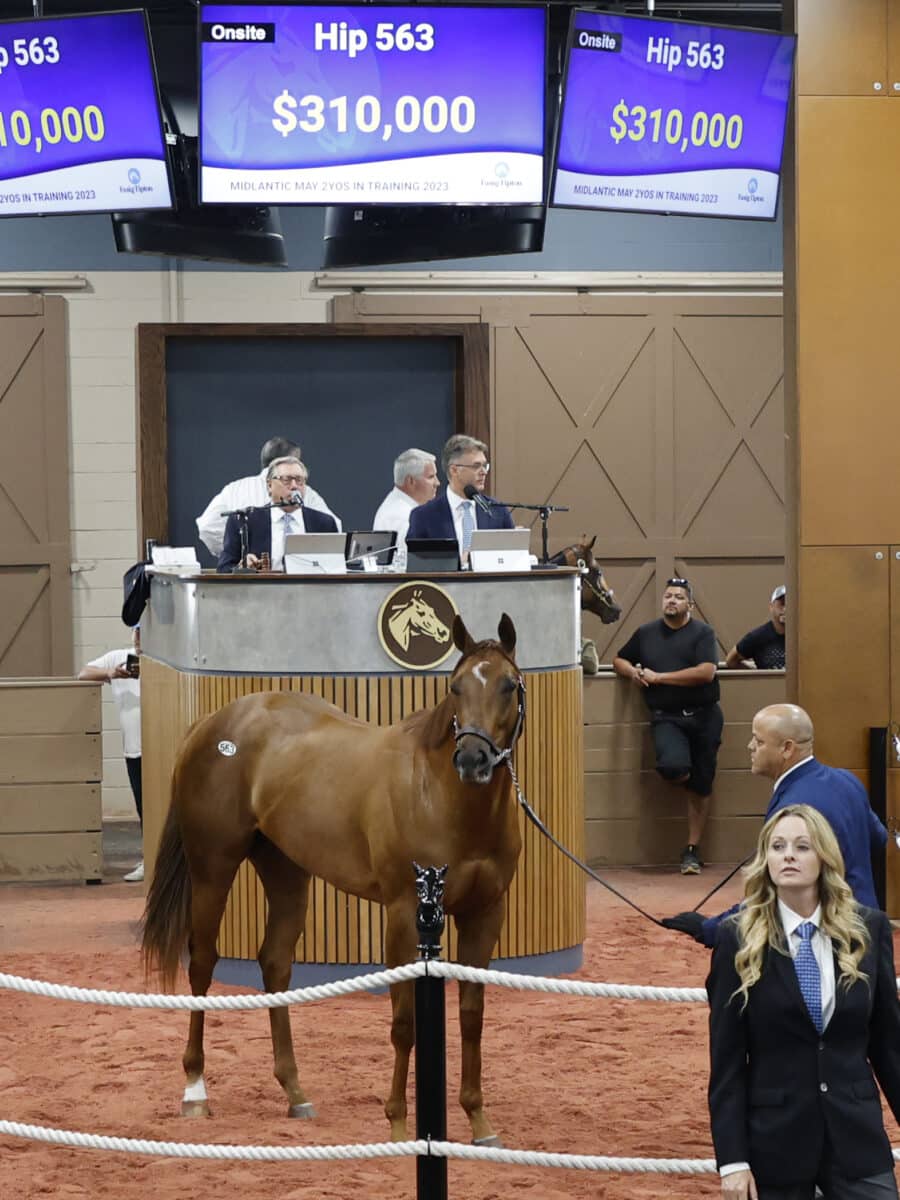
[{"x": 195, "y": 1091}]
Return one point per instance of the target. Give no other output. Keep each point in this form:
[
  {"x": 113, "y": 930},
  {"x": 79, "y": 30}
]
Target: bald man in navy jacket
[{"x": 781, "y": 748}]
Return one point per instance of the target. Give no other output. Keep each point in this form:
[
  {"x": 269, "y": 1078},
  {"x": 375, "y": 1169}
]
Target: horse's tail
[{"x": 167, "y": 914}]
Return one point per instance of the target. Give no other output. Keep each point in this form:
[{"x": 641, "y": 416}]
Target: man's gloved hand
[{"x": 690, "y": 923}]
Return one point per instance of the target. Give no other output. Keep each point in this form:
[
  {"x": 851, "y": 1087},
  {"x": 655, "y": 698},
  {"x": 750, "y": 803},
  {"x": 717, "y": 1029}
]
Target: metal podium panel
[{"x": 285, "y": 626}]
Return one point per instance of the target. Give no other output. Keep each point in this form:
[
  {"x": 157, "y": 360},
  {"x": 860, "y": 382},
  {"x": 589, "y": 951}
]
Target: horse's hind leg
[
  {"x": 478, "y": 935},
  {"x": 208, "y": 897},
  {"x": 400, "y": 948},
  {"x": 287, "y": 891}
]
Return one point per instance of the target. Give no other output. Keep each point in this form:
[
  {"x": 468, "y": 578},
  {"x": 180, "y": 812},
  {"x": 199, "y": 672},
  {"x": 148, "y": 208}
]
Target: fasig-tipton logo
[
  {"x": 415, "y": 625},
  {"x": 597, "y": 39},
  {"x": 237, "y": 31},
  {"x": 134, "y": 183}
]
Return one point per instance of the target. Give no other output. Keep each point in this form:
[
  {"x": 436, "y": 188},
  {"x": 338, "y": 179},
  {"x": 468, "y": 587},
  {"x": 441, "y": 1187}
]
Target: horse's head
[
  {"x": 423, "y": 619},
  {"x": 489, "y": 701},
  {"x": 596, "y": 594}
]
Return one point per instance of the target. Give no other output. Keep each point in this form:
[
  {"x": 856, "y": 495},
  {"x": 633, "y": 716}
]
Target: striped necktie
[
  {"x": 808, "y": 976},
  {"x": 468, "y": 524}
]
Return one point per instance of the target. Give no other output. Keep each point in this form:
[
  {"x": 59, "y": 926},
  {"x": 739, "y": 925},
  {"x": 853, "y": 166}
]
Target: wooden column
[{"x": 842, "y": 266}]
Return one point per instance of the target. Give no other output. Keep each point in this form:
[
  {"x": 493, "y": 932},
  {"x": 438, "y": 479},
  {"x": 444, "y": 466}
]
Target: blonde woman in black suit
[{"x": 804, "y": 1018}]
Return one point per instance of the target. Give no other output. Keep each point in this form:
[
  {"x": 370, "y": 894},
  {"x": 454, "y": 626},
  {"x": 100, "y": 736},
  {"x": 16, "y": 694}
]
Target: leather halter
[
  {"x": 497, "y": 755},
  {"x": 602, "y": 594}
]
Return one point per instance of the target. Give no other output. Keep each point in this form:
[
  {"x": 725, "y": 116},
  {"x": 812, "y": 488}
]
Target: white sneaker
[{"x": 135, "y": 876}]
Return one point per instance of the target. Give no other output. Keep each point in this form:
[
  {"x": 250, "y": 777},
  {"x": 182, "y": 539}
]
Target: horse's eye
[
  {"x": 508, "y": 685},
  {"x": 455, "y": 689}
]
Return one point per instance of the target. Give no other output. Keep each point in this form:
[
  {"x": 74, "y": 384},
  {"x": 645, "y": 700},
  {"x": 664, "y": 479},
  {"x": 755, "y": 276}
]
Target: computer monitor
[
  {"x": 427, "y": 555},
  {"x": 376, "y": 545},
  {"x": 500, "y": 550},
  {"x": 314, "y": 554}
]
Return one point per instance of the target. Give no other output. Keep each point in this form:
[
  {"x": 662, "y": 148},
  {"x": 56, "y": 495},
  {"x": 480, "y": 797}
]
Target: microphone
[
  {"x": 296, "y": 498},
  {"x": 472, "y": 493}
]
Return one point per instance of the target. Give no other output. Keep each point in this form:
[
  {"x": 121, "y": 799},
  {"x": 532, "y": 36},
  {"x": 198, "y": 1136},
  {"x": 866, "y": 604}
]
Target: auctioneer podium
[{"x": 377, "y": 646}]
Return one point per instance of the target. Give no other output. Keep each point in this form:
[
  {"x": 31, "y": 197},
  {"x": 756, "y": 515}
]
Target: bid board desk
[{"x": 208, "y": 639}]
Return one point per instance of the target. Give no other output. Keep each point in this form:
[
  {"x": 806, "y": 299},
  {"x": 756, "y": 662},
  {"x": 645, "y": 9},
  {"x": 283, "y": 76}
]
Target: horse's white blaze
[
  {"x": 478, "y": 672},
  {"x": 195, "y": 1091}
]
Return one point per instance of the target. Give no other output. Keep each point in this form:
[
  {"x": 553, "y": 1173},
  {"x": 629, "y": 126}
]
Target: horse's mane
[{"x": 434, "y": 723}]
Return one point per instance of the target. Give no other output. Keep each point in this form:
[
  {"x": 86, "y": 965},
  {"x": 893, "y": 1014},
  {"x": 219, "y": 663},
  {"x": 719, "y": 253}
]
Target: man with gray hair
[
  {"x": 251, "y": 492},
  {"x": 267, "y": 527},
  {"x": 415, "y": 482},
  {"x": 781, "y": 749},
  {"x": 464, "y": 507}
]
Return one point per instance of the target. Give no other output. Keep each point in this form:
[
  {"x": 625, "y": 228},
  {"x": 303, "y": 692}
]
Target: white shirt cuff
[{"x": 733, "y": 1168}]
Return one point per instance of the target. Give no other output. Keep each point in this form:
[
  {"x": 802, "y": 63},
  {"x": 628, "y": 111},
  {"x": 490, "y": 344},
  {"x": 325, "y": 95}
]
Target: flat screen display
[
  {"x": 672, "y": 117},
  {"x": 80, "y": 127},
  {"x": 373, "y": 104}
]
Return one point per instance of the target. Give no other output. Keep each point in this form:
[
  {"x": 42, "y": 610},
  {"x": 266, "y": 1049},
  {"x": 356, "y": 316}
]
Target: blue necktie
[
  {"x": 468, "y": 525},
  {"x": 289, "y": 524},
  {"x": 808, "y": 974}
]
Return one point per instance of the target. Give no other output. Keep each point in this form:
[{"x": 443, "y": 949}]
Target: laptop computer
[
  {"x": 315, "y": 554},
  {"x": 369, "y": 549},
  {"x": 424, "y": 555},
  {"x": 500, "y": 550}
]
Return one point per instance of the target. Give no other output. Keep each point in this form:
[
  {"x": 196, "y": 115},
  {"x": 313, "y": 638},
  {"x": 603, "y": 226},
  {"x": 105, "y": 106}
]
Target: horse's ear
[
  {"x": 462, "y": 639},
  {"x": 590, "y": 545},
  {"x": 507, "y": 633}
]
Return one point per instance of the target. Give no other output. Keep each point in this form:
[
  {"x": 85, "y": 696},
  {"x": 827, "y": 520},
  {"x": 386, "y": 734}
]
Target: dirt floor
[{"x": 561, "y": 1074}]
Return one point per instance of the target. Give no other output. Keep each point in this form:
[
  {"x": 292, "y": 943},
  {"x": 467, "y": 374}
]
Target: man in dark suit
[
  {"x": 781, "y": 749},
  {"x": 267, "y": 527},
  {"x": 453, "y": 514}
]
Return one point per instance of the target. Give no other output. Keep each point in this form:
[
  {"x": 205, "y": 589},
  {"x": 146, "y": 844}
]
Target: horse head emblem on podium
[{"x": 416, "y": 617}]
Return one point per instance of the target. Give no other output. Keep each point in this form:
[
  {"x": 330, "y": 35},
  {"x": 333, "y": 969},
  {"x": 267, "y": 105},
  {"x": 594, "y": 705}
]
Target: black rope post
[
  {"x": 431, "y": 1047},
  {"x": 878, "y": 764}
]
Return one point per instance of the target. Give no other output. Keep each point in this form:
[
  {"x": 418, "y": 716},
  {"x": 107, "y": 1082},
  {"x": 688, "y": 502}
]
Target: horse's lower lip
[{"x": 467, "y": 776}]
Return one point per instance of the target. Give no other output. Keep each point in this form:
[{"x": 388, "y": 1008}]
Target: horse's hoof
[
  {"x": 493, "y": 1141},
  {"x": 195, "y": 1108},
  {"x": 302, "y": 1112}
]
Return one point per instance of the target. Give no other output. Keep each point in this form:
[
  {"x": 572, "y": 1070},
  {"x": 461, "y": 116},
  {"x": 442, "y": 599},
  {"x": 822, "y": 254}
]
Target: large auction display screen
[
  {"x": 672, "y": 116},
  {"x": 373, "y": 104},
  {"x": 80, "y": 127}
]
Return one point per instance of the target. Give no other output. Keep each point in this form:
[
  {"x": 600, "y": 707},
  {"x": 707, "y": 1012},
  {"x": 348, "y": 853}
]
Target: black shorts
[{"x": 687, "y": 743}]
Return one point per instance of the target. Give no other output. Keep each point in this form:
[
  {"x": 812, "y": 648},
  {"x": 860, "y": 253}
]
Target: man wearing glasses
[
  {"x": 251, "y": 490},
  {"x": 454, "y": 514},
  {"x": 267, "y": 527},
  {"x": 673, "y": 661}
]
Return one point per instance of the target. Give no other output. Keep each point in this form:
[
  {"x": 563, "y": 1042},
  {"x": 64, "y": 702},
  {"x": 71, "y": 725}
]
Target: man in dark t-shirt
[
  {"x": 674, "y": 661},
  {"x": 764, "y": 646}
]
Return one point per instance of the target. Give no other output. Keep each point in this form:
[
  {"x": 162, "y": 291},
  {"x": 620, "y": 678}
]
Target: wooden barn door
[{"x": 35, "y": 589}]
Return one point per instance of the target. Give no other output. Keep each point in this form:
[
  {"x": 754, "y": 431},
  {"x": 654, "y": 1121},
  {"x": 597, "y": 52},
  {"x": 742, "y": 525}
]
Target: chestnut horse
[
  {"x": 596, "y": 594},
  {"x": 302, "y": 789}
]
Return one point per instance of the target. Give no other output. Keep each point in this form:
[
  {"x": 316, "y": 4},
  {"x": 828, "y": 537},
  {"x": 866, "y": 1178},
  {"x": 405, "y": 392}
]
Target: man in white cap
[{"x": 762, "y": 647}]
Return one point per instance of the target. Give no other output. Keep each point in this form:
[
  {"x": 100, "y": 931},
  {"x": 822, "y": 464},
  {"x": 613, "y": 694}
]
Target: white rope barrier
[
  {"x": 358, "y": 983},
  {"x": 324, "y": 991},
  {"x": 408, "y": 1149},
  {"x": 346, "y": 987},
  {"x": 363, "y": 1150}
]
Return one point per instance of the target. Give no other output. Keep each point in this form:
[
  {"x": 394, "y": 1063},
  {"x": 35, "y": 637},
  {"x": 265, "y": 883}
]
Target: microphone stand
[
  {"x": 243, "y": 517},
  {"x": 543, "y": 511}
]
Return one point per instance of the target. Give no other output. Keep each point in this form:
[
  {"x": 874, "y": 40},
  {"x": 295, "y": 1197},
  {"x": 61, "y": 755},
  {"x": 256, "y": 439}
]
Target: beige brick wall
[{"x": 103, "y": 493}]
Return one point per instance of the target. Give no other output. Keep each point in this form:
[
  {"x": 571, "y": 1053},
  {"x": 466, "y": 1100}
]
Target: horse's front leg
[
  {"x": 400, "y": 949},
  {"x": 478, "y": 933}
]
